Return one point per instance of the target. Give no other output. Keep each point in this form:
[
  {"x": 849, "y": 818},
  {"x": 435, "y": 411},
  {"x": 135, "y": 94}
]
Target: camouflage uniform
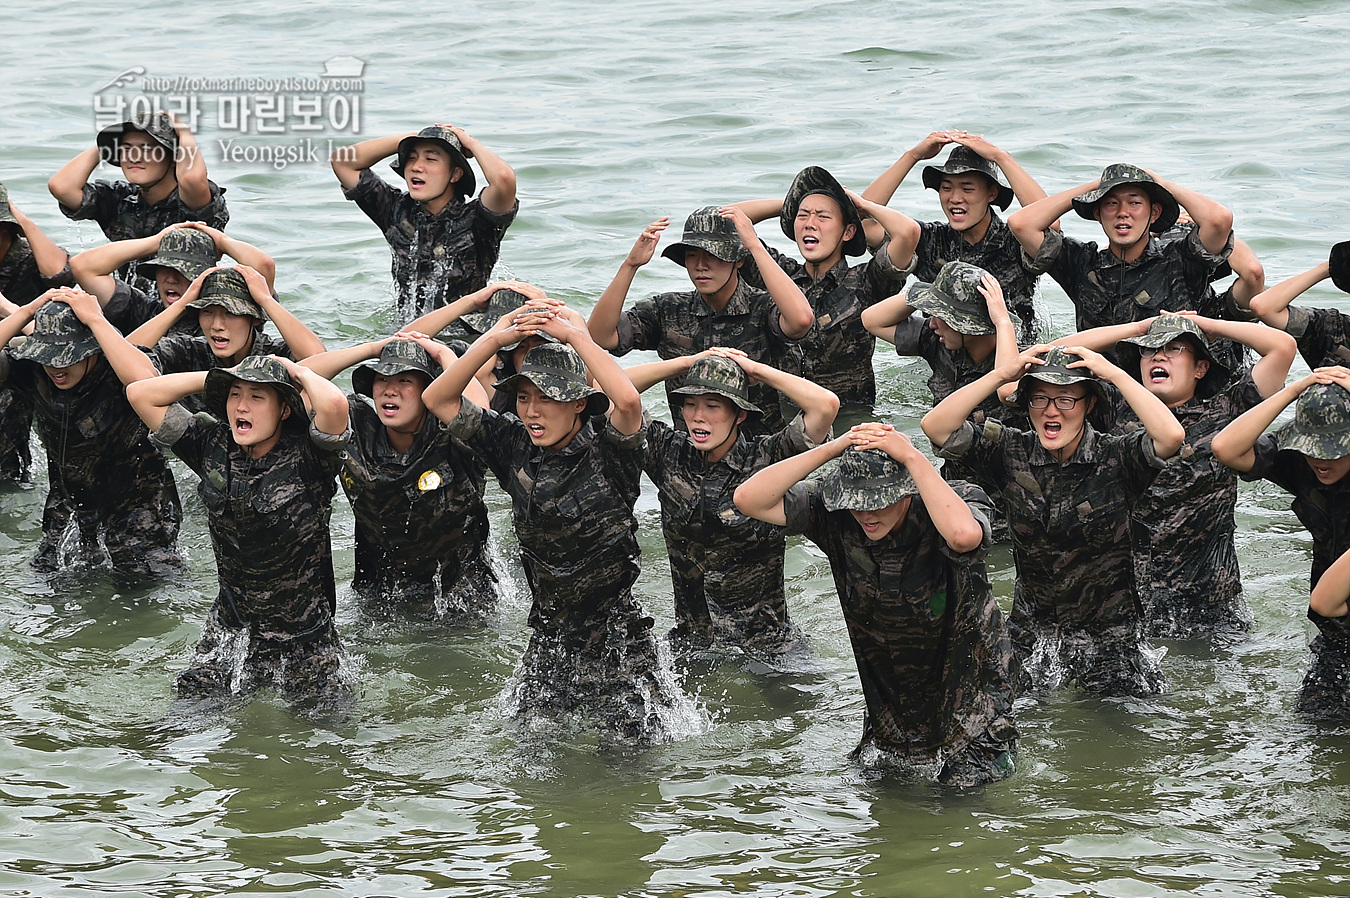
[
  {"x": 837, "y": 352},
  {"x": 937, "y": 668},
  {"x": 1076, "y": 613},
  {"x": 104, "y": 475},
  {"x": 681, "y": 324},
  {"x": 1323, "y": 335},
  {"x": 123, "y": 214},
  {"x": 436, "y": 258},
  {"x": 592, "y": 645},
  {"x": 129, "y": 307},
  {"x": 175, "y": 353},
  {"x": 421, "y": 526},
  {"x": 1326, "y": 686},
  {"x": 268, "y": 519},
  {"x": 726, "y": 568},
  {"x": 998, "y": 253}
]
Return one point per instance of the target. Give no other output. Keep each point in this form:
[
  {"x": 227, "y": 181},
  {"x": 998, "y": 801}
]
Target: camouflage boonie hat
[
  {"x": 6, "y": 216},
  {"x": 397, "y": 357},
  {"x": 955, "y": 297},
  {"x": 499, "y": 303},
  {"x": 1115, "y": 175},
  {"x": 560, "y": 374},
  {"x": 187, "y": 251},
  {"x": 228, "y": 289},
  {"x": 1339, "y": 263},
  {"x": 706, "y": 230},
  {"x": 1166, "y": 328},
  {"x": 865, "y": 480},
  {"x": 257, "y": 369},
  {"x": 157, "y": 124},
  {"x": 719, "y": 376},
  {"x": 1321, "y": 425},
  {"x": 815, "y": 179},
  {"x": 1056, "y": 371},
  {"x": 59, "y": 339},
  {"x": 963, "y": 160},
  {"x": 459, "y": 157}
]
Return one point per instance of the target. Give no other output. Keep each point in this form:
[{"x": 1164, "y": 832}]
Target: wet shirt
[
  {"x": 573, "y": 516},
  {"x": 931, "y": 645},
  {"x": 129, "y": 307},
  {"x": 1322, "y": 335},
  {"x": 175, "y": 353},
  {"x": 121, "y": 210},
  {"x": 682, "y": 324},
  {"x": 1326, "y": 686},
  {"x": 20, "y": 280},
  {"x": 1187, "y": 566},
  {"x": 419, "y": 513},
  {"x": 998, "y": 253},
  {"x": 436, "y": 258},
  {"x": 1069, "y": 523},
  {"x": 268, "y": 519},
  {"x": 723, "y": 564},
  {"x": 1324, "y": 509},
  {"x": 1105, "y": 290},
  {"x": 837, "y": 352},
  {"x": 952, "y": 369}
]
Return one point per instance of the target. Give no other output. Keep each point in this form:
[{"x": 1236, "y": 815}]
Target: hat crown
[
  {"x": 1323, "y": 408},
  {"x": 406, "y": 351},
  {"x": 225, "y": 284},
  {"x": 436, "y": 132},
  {"x": 1123, "y": 173},
  {"x": 961, "y": 281},
  {"x": 708, "y": 223},
  {"x": 261, "y": 369},
  {"x": 188, "y": 242},
  {"x": 555, "y": 358},
  {"x": 719, "y": 376},
  {"x": 57, "y": 320},
  {"x": 866, "y": 480}
]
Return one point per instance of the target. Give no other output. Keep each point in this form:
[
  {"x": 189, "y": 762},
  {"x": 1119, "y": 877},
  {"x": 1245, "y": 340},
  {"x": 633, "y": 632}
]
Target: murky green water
[{"x": 613, "y": 115}]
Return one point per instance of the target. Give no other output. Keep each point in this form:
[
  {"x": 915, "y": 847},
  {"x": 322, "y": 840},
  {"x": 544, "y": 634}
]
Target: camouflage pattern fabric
[
  {"x": 726, "y": 568},
  {"x": 436, "y": 258},
  {"x": 705, "y": 229},
  {"x": 1319, "y": 507},
  {"x": 998, "y": 253},
  {"x": 1325, "y": 693},
  {"x": 1321, "y": 425},
  {"x": 1119, "y": 174},
  {"x": 1076, "y": 615},
  {"x": 421, "y": 525},
  {"x": 963, "y": 160},
  {"x": 122, "y": 212},
  {"x": 837, "y": 352},
  {"x": 179, "y": 352},
  {"x": 937, "y": 668},
  {"x": 573, "y": 515},
  {"x": 1322, "y": 335},
  {"x": 1106, "y": 290},
  {"x": 681, "y": 324},
  {"x": 1185, "y": 562},
  {"x": 955, "y": 297},
  {"x": 449, "y": 141},
  {"x": 105, "y": 477},
  {"x": 129, "y": 308},
  {"x": 268, "y": 519},
  {"x": 187, "y": 251}
]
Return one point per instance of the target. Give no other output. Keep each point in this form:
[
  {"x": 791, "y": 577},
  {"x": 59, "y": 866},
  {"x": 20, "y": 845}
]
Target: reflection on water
[{"x": 428, "y": 787}]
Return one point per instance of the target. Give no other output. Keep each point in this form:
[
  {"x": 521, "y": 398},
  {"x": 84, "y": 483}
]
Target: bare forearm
[
  {"x": 761, "y": 497},
  {"x": 67, "y": 185},
  {"x": 603, "y": 322},
  {"x": 644, "y": 377},
  {"x": 1272, "y": 305},
  {"x": 947, "y": 416},
  {"x": 333, "y": 362},
  {"x": 760, "y": 210},
  {"x": 444, "y": 394}
]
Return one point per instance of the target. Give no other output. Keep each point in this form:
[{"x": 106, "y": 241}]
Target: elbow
[
  {"x": 968, "y": 537},
  {"x": 799, "y": 324},
  {"x": 1169, "y": 442},
  {"x": 627, "y": 402}
]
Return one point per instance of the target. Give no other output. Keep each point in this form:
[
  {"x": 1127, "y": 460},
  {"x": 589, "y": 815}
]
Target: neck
[
  {"x": 818, "y": 270},
  {"x": 976, "y": 234},
  {"x": 717, "y": 453},
  {"x": 718, "y": 301},
  {"x": 402, "y": 440},
  {"x": 979, "y": 348},
  {"x": 243, "y": 353},
  {"x": 434, "y": 206},
  {"x": 160, "y": 190},
  {"x": 1132, "y": 252}
]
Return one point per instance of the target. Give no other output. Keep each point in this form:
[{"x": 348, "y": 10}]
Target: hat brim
[
  {"x": 188, "y": 268},
  {"x": 815, "y": 179},
  {"x": 217, "y": 390},
  {"x": 61, "y": 353},
  {"x": 1339, "y": 263},
  {"x": 1086, "y": 204},
  {"x": 703, "y": 389},
  {"x": 935, "y": 304},
  {"x": 596, "y": 401},
  {"x": 107, "y": 140},
  {"x": 718, "y": 249},
  {"x": 465, "y": 186},
  {"x": 363, "y": 376},
  {"x": 1328, "y": 444},
  {"x": 871, "y": 494},
  {"x": 933, "y": 175}
]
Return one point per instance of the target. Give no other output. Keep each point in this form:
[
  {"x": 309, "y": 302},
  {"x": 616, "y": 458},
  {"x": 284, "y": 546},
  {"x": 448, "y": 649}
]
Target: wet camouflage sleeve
[
  {"x": 1326, "y": 686},
  {"x": 438, "y": 258},
  {"x": 21, "y": 281},
  {"x": 1186, "y": 563},
  {"x": 1320, "y": 508},
  {"x": 103, "y": 473},
  {"x": 269, "y": 521},
  {"x": 998, "y": 253},
  {"x": 1070, "y": 529},
  {"x": 681, "y": 324},
  {"x": 419, "y": 515},
  {"x": 837, "y": 352},
  {"x": 933, "y": 652},
  {"x": 1106, "y": 291},
  {"x": 726, "y": 568},
  {"x": 1323, "y": 335}
]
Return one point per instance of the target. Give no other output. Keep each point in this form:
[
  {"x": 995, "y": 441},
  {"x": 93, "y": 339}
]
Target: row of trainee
[{"x": 1116, "y": 479}]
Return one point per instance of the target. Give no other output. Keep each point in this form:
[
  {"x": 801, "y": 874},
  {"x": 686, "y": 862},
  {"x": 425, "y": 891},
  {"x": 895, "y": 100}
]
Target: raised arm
[
  {"x": 348, "y": 162},
  {"x": 240, "y": 251},
  {"x": 93, "y": 268},
  {"x": 819, "y": 405},
  {"x": 1162, "y": 426},
  {"x": 128, "y": 362},
  {"x": 437, "y": 320},
  {"x": 883, "y": 188},
  {"x": 1029, "y": 223},
  {"x": 1214, "y": 219},
  {"x": 644, "y": 377},
  {"x": 881, "y": 319},
  {"x": 604, "y": 321},
  {"x": 760, "y": 210},
  {"x": 1235, "y": 445},
  {"x": 190, "y": 169},
  {"x": 333, "y": 362},
  {"x": 51, "y": 259},
  {"x": 1251, "y": 274},
  {"x": 152, "y": 331},
  {"x": 625, "y": 411},
  {"x": 1100, "y": 339},
  {"x": 1272, "y": 305},
  {"x": 152, "y": 397},
  {"x": 302, "y": 341},
  {"x": 946, "y": 418},
  {"x": 904, "y": 231},
  {"x": 1024, "y": 185},
  {"x": 445, "y": 394},
  {"x": 444, "y": 357},
  {"x": 761, "y": 497},
  {"x": 67, "y": 185},
  {"x": 1331, "y": 596},
  {"x": 14, "y": 323},
  {"x": 794, "y": 312},
  {"x": 327, "y": 404},
  {"x": 500, "y": 193},
  {"x": 1275, "y": 348}
]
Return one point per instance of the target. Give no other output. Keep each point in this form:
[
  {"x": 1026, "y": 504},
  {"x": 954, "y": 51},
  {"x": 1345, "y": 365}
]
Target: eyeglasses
[
  {"x": 1171, "y": 350},
  {"x": 1063, "y": 403}
]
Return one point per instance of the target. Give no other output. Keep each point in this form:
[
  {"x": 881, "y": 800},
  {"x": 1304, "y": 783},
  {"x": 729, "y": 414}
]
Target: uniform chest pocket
[{"x": 1101, "y": 520}]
